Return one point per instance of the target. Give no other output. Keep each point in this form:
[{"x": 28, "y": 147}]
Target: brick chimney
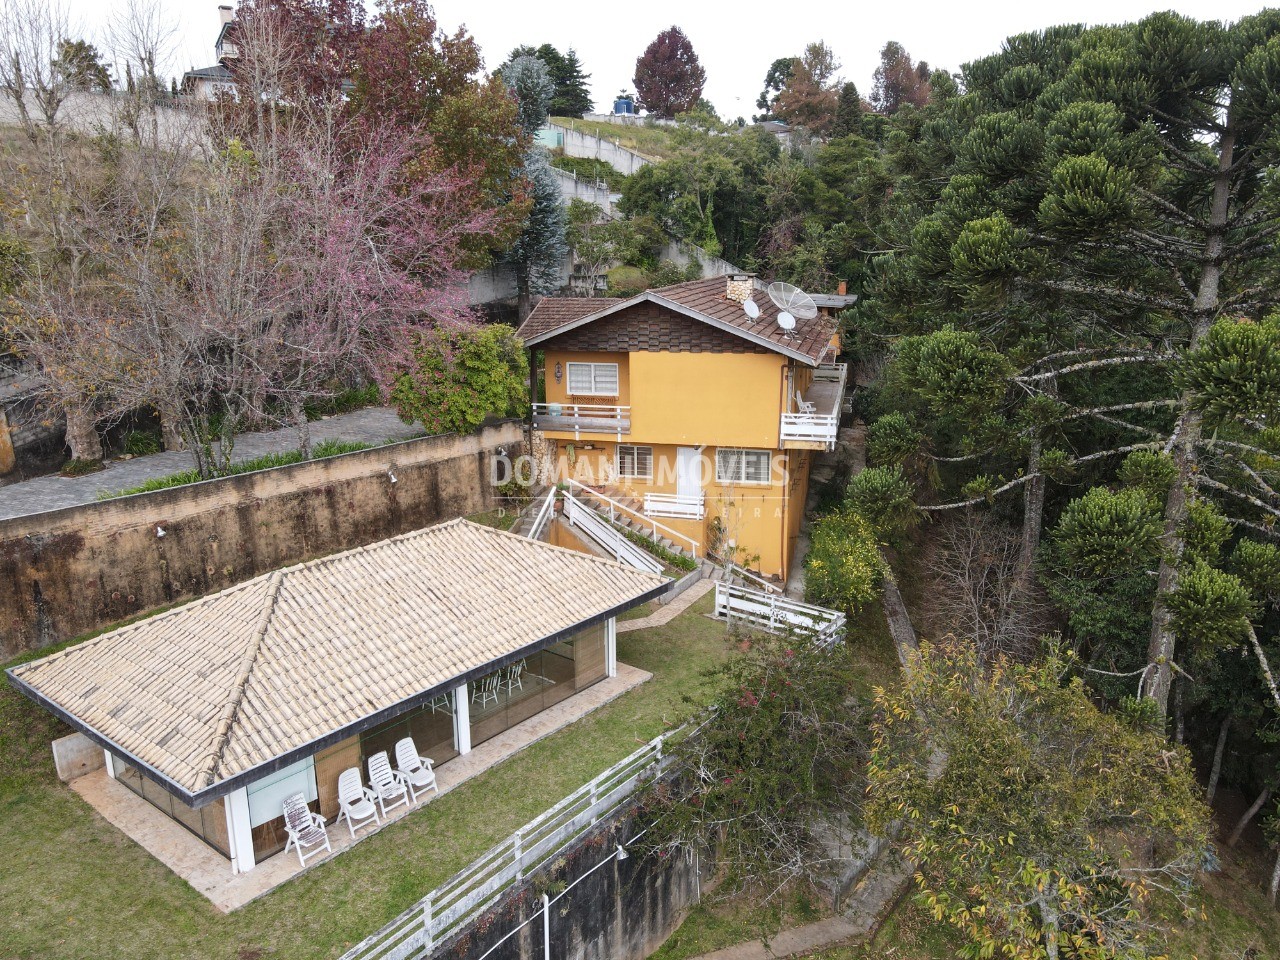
[
  {"x": 843, "y": 289},
  {"x": 226, "y": 14},
  {"x": 739, "y": 287}
]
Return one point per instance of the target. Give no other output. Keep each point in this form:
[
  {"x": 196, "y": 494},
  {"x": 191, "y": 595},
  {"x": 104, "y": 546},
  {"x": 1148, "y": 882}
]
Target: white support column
[
  {"x": 110, "y": 763},
  {"x": 611, "y": 647},
  {"x": 239, "y": 832},
  {"x": 461, "y": 719}
]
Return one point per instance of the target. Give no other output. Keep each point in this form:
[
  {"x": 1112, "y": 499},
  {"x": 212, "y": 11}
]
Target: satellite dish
[
  {"x": 750, "y": 308},
  {"x": 793, "y": 299},
  {"x": 786, "y": 321}
]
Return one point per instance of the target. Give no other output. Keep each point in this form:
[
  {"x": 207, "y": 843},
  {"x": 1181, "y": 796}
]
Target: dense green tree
[
  {"x": 570, "y": 97},
  {"x": 460, "y": 376},
  {"x": 539, "y": 252},
  {"x": 1019, "y": 801},
  {"x": 80, "y": 65},
  {"x": 529, "y": 81},
  {"x": 848, "y": 120},
  {"x": 774, "y": 81}
]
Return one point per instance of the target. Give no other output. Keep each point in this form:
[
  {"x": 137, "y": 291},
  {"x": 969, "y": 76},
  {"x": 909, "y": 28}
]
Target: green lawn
[
  {"x": 72, "y": 886},
  {"x": 653, "y": 142}
]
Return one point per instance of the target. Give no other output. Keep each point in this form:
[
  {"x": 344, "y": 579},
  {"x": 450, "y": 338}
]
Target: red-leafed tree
[
  {"x": 412, "y": 74},
  {"x": 899, "y": 81},
  {"x": 669, "y": 78}
]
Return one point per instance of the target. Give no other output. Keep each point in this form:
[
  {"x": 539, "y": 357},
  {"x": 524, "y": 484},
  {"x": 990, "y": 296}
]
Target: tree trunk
[
  {"x": 1032, "y": 512},
  {"x": 82, "y": 434},
  {"x": 171, "y": 426},
  {"x": 1049, "y": 925},
  {"x": 895, "y": 613},
  {"x": 1275, "y": 879},
  {"x": 1160, "y": 651},
  {"x": 1249, "y": 814},
  {"x": 1219, "y": 751},
  {"x": 1179, "y": 714},
  {"x": 303, "y": 426}
]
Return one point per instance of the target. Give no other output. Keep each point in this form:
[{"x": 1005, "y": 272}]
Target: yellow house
[{"x": 703, "y": 402}]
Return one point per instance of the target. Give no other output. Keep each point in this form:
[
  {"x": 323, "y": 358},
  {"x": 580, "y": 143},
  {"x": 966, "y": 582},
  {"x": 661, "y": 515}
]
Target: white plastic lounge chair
[
  {"x": 306, "y": 829},
  {"x": 513, "y": 679},
  {"x": 804, "y": 406},
  {"x": 415, "y": 768},
  {"x": 355, "y": 802},
  {"x": 486, "y": 689},
  {"x": 387, "y": 783}
]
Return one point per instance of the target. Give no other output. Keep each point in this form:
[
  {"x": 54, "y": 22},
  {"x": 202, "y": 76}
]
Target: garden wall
[
  {"x": 66, "y": 572},
  {"x": 621, "y": 910}
]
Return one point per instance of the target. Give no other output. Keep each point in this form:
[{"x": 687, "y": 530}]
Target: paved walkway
[
  {"x": 209, "y": 873},
  {"x": 669, "y": 611},
  {"x": 865, "y": 908},
  {"x": 374, "y": 425}
]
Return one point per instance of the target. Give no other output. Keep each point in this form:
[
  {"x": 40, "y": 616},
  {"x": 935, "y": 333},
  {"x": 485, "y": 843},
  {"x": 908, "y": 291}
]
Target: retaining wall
[{"x": 66, "y": 572}]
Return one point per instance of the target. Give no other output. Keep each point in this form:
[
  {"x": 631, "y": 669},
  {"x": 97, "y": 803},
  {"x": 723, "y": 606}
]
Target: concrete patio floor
[{"x": 210, "y": 873}]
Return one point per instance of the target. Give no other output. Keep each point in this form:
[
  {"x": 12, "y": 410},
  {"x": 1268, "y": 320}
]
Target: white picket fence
[
  {"x": 777, "y": 614},
  {"x": 447, "y": 909}
]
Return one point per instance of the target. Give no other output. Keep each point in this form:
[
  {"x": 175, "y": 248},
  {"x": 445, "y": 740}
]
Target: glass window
[
  {"x": 743, "y": 466},
  {"x": 635, "y": 461},
  {"x": 593, "y": 379}
]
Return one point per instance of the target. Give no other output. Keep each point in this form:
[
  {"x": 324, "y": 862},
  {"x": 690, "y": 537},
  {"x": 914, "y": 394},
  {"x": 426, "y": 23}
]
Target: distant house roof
[
  {"x": 216, "y": 72},
  {"x": 214, "y": 694},
  {"x": 703, "y": 300}
]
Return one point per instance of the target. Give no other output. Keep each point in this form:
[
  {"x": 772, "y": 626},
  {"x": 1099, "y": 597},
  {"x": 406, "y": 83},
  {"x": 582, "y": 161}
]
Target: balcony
[
  {"x": 580, "y": 418},
  {"x": 674, "y": 505},
  {"x": 812, "y": 423}
]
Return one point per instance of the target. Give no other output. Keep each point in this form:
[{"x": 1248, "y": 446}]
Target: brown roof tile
[{"x": 704, "y": 299}]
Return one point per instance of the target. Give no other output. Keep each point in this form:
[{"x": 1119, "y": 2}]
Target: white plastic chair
[
  {"x": 515, "y": 673},
  {"x": 306, "y": 829},
  {"x": 803, "y": 405},
  {"x": 440, "y": 702},
  {"x": 415, "y": 768},
  {"x": 486, "y": 689},
  {"x": 355, "y": 802},
  {"x": 387, "y": 783}
]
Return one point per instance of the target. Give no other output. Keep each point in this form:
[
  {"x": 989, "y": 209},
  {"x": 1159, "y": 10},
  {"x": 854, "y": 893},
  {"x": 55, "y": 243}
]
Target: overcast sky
[{"x": 735, "y": 42}]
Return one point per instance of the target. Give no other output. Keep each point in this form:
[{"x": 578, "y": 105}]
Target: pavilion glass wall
[
  {"x": 511, "y": 695},
  {"x": 209, "y": 823}
]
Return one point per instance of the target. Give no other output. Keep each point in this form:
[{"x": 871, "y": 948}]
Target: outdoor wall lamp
[
  {"x": 159, "y": 531},
  {"x": 621, "y": 853},
  {"x": 392, "y": 476}
]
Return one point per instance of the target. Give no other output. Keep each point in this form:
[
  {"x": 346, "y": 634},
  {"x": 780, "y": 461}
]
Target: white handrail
[
  {"x": 734, "y": 569},
  {"x": 477, "y": 886},
  {"x": 636, "y": 515},
  {"x": 608, "y": 536},
  {"x": 544, "y": 514}
]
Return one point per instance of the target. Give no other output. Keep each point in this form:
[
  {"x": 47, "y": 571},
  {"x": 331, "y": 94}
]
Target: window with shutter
[
  {"x": 743, "y": 466},
  {"x": 635, "y": 462},
  {"x": 593, "y": 379}
]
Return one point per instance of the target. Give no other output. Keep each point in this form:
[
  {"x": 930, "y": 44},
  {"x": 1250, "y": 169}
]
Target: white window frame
[
  {"x": 741, "y": 477},
  {"x": 593, "y": 370},
  {"x": 635, "y": 449}
]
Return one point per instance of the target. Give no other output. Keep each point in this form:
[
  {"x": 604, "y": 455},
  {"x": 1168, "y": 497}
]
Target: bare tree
[
  {"x": 31, "y": 36},
  {"x": 977, "y": 587}
]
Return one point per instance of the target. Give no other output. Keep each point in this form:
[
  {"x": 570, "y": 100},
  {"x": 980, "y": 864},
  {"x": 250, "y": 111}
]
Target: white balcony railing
[
  {"x": 674, "y": 505},
  {"x": 817, "y": 419},
  {"x": 582, "y": 418}
]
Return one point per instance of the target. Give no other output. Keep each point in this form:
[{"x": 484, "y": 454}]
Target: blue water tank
[{"x": 623, "y": 106}]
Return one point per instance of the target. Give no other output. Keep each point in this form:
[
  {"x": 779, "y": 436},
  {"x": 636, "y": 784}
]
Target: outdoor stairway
[{"x": 633, "y": 520}]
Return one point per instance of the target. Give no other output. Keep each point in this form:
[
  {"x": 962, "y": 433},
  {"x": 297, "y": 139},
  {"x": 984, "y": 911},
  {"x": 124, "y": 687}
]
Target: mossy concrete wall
[{"x": 66, "y": 572}]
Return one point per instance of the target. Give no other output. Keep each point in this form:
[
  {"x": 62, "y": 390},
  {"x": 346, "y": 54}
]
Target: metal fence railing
[{"x": 451, "y": 906}]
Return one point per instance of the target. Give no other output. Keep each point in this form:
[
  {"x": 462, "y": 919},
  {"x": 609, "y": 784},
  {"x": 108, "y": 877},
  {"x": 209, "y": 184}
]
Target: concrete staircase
[{"x": 629, "y": 516}]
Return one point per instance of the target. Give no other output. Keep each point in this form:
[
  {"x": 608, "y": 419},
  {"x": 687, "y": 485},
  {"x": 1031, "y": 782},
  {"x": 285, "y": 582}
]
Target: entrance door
[{"x": 688, "y": 472}]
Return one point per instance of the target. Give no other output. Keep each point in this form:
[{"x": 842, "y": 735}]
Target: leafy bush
[
  {"x": 333, "y": 448},
  {"x": 844, "y": 568},
  {"x": 592, "y": 168},
  {"x": 139, "y": 443},
  {"x": 344, "y": 401}
]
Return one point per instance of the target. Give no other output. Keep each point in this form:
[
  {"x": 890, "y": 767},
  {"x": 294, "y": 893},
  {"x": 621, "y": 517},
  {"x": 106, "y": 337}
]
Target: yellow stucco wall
[{"x": 703, "y": 400}]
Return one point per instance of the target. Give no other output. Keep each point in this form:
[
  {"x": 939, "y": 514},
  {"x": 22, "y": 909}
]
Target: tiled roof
[
  {"x": 554, "y": 312},
  {"x": 702, "y": 299},
  {"x": 210, "y": 690}
]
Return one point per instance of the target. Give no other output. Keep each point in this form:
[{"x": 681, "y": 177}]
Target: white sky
[{"x": 735, "y": 41}]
